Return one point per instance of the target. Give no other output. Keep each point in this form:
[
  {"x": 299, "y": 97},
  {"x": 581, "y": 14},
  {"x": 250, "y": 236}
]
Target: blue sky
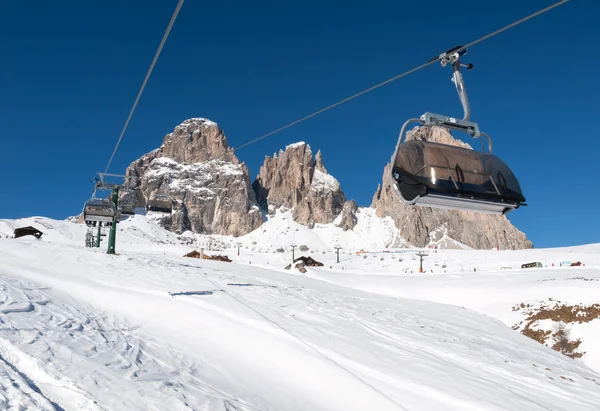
[{"x": 70, "y": 71}]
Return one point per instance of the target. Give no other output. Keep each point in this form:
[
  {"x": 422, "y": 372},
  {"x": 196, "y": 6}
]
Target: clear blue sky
[{"x": 70, "y": 70}]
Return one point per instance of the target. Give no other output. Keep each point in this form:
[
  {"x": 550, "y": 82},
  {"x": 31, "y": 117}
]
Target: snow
[
  {"x": 281, "y": 230},
  {"x": 175, "y": 333},
  {"x": 191, "y": 177},
  {"x": 198, "y": 120},
  {"x": 322, "y": 181},
  {"x": 295, "y": 145}
]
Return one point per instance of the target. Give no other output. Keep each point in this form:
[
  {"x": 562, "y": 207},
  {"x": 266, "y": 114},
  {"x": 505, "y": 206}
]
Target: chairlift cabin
[
  {"x": 431, "y": 174},
  {"x": 126, "y": 202},
  {"x": 98, "y": 211},
  {"x": 126, "y": 210},
  {"x": 160, "y": 203}
]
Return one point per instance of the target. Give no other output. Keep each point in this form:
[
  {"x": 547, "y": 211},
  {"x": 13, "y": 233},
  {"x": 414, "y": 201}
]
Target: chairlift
[
  {"x": 126, "y": 210},
  {"x": 160, "y": 203},
  {"x": 97, "y": 211},
  {"x": 430, "y": 174}
]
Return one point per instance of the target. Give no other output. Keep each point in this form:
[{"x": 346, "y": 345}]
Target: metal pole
[
  {"x": 337, "y": 250},
  {"x": 98, "y": 235},
  {"x": 421, "y": 256},
  {"x": 239, "y": 244},
  {"x": 112, "y": 236},
  {"x": 293, "y": 248}
]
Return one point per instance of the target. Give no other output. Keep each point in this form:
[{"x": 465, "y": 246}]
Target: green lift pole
[
  {"x": 98, "y": 236},
  {"x": 112, "y": 236}
]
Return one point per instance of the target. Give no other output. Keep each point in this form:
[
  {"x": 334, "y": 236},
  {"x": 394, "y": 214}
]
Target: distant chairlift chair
[
  {"x": 125, "y": 206},
  {"x": 98, "y": 211},
  {"x": 160, "y": 203}
]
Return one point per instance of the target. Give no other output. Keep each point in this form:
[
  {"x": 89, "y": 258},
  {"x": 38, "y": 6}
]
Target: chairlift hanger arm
[{"x": 452, "y": 57}]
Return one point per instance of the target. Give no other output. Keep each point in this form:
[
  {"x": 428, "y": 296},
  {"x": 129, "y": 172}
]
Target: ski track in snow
[
  {"x": 150, "y": 330},
  {"x": 39, "y": 347}
]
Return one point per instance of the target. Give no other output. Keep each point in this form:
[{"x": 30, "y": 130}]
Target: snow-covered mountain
[
  {"x": 205, "y": 181},
  {"x": 167, "y": 332},
  {"x": 211, "y": 193}
]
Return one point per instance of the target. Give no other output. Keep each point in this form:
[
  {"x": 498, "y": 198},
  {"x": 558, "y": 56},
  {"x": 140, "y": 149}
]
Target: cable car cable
[
  {"x": 406, "y": 73},
  {"x": 156, "y": 55},
  {"x": 397, "y": 77}
]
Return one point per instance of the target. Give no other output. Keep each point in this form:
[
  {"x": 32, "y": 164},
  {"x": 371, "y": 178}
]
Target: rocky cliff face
[
  {"x": 293, "y": 179},
  {"x": 209, "y": 188},
  {"x": 421, "y": 225},
  {"x": 347, "y": 219},
  {"x": 211, "y": 192}
]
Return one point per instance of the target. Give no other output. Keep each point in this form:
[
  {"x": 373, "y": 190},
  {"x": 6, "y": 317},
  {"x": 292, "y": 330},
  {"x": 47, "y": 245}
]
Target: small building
[
  {"x": 29, "y": 230},
  {"x": 536, "y": 264}
]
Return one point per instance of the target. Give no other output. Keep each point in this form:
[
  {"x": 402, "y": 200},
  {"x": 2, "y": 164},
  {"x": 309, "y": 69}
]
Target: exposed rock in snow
[
  {"x": 211, "y": 192},
  {"x": 209, "y": 188},
  {"x": 196, "y": 140},
  {"x": 348, "y": 218},
  {"x": 295, "y": 180}
]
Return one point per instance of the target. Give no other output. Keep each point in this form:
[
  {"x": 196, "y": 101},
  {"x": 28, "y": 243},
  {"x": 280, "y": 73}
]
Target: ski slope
[{"x": 151, "y": 330}]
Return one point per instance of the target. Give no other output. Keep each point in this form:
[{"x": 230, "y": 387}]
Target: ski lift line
[
  {"x": 406, "y": 73},
  {"x": 516, "y": 23},
  {"x": 338, "y": 103},
  {"x": 310, "y": 346},
  {"x": 137, "y": 99}
]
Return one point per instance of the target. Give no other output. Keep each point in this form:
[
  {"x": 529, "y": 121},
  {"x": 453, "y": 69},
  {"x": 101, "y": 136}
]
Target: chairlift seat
[
  {"x": 443, "y": 176},
  {"x": 99, "y": 211},
  {"x": 160, "y": 203},
  {"x": 127, "y": 210}
]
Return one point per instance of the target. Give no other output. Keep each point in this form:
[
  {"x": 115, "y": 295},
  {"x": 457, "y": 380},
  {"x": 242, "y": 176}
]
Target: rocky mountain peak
[
  {"x": 196, "y": 140},
  {"x": 208, "y": 187},
  {"x": 435, "y": 134},
  {"x": 319, "y": 162},
  {"x": 295, "y": 180},
  {"x": 210, "y": 191}
]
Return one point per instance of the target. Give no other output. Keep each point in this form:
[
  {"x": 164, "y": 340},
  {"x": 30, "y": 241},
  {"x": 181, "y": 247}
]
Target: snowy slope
[
  {"x": 169, "y": 333},
  {"x": 282, "y": 231}
]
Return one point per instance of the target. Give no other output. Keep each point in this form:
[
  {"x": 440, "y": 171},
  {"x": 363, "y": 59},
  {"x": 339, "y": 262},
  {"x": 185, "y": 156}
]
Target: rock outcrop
[
  {"x": 347, "y": 219},
  {"x": 421, "y": 225},
  {"x": 211, "y": 193},
  {"x": 293, "y": 179},
  {"x": 209, "y": 188},
  {"x": 197, "y": 140}
]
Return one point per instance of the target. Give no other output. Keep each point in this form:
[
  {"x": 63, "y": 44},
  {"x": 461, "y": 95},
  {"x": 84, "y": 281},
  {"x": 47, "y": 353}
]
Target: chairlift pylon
[{"x": 430, "y": 174}]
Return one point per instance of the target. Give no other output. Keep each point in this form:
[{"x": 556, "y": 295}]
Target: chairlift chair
[
  {"x": 160, "y": 203},
  {"x": 98, "y": 211},
  {"x": 125, "y": 207},
  {"x": 126, "y": 210},
  {"x": 430, "y": 174}
]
